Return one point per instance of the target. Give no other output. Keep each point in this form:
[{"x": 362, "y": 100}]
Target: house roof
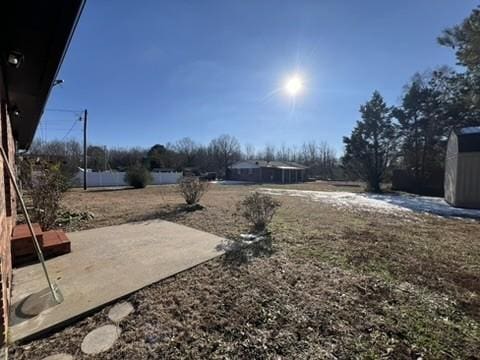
[
  {"x": 468, "y": 139},
  {"x": 38, "y": 34},
  {"x": 276, "y": 164}
]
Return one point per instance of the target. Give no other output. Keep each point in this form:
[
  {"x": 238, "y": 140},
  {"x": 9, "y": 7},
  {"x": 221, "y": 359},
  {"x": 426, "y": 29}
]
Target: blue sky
[{"x": 156, "y": 71}]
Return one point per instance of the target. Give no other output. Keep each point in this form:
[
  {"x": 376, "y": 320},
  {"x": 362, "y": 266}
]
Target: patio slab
[{"x": 105, "y": 264}]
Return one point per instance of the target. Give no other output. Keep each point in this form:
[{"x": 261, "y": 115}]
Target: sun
[{"x": 293, "y": 85}]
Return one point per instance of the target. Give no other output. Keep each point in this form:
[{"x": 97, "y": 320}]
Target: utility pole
[
  {"x": 85, "y": 114},
  {"x": 104, "y": 157}
]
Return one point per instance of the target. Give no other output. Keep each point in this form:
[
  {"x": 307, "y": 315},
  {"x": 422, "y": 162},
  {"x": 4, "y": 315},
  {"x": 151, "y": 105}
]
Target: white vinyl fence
[{"x": 117, "y": 178}]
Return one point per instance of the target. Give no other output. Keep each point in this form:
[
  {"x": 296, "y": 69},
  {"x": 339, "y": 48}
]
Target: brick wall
[
  {"x": 7, "y": 214},
  {"x": 252, "y": 174}
]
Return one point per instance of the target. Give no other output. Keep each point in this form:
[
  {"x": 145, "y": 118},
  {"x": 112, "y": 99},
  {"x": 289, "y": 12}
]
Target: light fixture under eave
[
  {"x": 15, "y": 59},
  {"x": 14, "y": 111}
]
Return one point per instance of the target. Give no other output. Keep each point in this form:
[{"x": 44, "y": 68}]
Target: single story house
[
  {"x": 262, "y": 171},
  {"x": 35, "y": 36},
  {"x": 462, "y": 168}
]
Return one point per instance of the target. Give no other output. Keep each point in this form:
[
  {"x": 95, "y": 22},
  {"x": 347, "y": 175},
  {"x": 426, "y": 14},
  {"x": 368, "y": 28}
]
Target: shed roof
[
  {"x": 468, "y": 139},
  {"x": 38, "y": 34}
]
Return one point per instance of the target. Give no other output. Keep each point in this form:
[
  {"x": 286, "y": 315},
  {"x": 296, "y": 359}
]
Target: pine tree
[
  {"x": 422, "y": 125},
  {"x": 370, "y": 148},
  {"x": 465, "y": 40}
]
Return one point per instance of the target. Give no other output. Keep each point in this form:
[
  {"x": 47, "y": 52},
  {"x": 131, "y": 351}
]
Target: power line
[
  {"x": 56, "y": 128},
  {"x": 43, "y": 123},
  {"x": 65, "y": 110},
  {"x": 58, "y": 120},
  {"x": 73, "y": 125},
  {"x": 62, "y": 129}
]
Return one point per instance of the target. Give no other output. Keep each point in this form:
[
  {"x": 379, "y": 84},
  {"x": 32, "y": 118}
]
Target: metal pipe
[{"x": 85, "y": 113}]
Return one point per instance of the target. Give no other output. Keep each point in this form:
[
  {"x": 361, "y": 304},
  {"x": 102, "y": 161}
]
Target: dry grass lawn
[{"x": 339, "y": 285}]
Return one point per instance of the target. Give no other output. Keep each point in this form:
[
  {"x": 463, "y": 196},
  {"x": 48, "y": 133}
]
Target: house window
[{"x": 250, "y": 171}]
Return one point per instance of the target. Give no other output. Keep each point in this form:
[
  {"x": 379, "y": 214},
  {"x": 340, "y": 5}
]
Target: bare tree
[
  {"x": 284, "y": 153},
  {"x": 225, "y": 150},
  {"x": 269, "y": 152},
  {"x": 186, "y": 149},
  {"x": 327, "y": 160},
  {"x": 217, "y": 156},
  {"x": 249, "y": 153},
  {"x": 123, "y": 158},
  {"x": 67, "y": 153},
  {"x": 295, "y": 156}
]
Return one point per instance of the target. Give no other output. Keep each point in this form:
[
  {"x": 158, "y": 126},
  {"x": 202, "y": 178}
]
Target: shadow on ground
[
  {"x": 110, "y": 189},
  {"x": 32, "y": 305},
  {"x": 168, "y": 213}
]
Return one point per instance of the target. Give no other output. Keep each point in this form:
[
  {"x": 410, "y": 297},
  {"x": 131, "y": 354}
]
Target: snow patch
[
  {"x": 380, "y": 203},
  {"x": 248, "y": 239},
  {"x": 230, "y": 182}
]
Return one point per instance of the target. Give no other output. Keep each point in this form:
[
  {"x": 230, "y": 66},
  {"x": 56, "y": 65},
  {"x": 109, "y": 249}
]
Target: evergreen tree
[
  {"x": 465, "y": 40},
  {"x": 422, "y": 124},
  {"x": 370, "y": 148},
  {"x": 462, "y": 93},
  {"x": 159, "y": 156}
]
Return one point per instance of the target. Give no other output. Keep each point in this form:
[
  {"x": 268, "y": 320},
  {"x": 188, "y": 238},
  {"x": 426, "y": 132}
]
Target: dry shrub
[
  {"x": 24, "y": 172},
  {"x": 47, "y": 190},
  {"x": 258, "y": 209},
  {"x": 192, "y": 189}
]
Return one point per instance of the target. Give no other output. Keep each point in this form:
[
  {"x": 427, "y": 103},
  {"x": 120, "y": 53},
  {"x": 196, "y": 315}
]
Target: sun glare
[{"x": 293, "y": 85}]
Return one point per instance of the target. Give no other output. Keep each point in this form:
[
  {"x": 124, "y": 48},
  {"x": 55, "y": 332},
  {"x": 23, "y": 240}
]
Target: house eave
[{"x": 39, "y": 31}]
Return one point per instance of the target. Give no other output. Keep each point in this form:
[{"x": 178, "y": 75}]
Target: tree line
[
  {"x": 413, "y": 135},
  {"x": 186, "y": 154}
]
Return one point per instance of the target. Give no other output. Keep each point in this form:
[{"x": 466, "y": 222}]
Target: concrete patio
[{"x": 105, "y": 264}]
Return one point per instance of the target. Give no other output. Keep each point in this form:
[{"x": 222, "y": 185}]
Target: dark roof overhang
[
  {"x": 468, "y": 139},
  {"x": 39, "y": 33}
]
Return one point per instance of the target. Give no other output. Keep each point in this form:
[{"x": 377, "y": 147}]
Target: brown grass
[{"x": 339, "y": 285}]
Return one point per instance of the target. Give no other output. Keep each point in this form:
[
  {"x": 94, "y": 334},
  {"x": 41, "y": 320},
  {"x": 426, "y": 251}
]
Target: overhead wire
[
  {"x": 71, "y": 128},
  {"x": 57, "y": 126}
]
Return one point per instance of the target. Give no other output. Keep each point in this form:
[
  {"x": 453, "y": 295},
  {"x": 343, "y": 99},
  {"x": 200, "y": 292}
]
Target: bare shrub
[
  {"x": 192, "y": 189},
  {"x": 47, "y": 188},
  {"x": 24, "y": 172},
  {"x": 258, "y": 209}
]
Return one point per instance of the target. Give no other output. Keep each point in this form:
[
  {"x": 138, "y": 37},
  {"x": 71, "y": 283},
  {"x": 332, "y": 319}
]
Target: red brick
[
  {"x": 7, "y": 213},
  {"x": 22, "y": 231},
  {"x": 22, "y": 242}
]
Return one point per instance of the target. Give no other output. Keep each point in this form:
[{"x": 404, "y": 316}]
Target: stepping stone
[
  {"x": 61, "y": 356},
  {"x": 120, "y": 311},
  {"x": 100, "y": 339}
]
